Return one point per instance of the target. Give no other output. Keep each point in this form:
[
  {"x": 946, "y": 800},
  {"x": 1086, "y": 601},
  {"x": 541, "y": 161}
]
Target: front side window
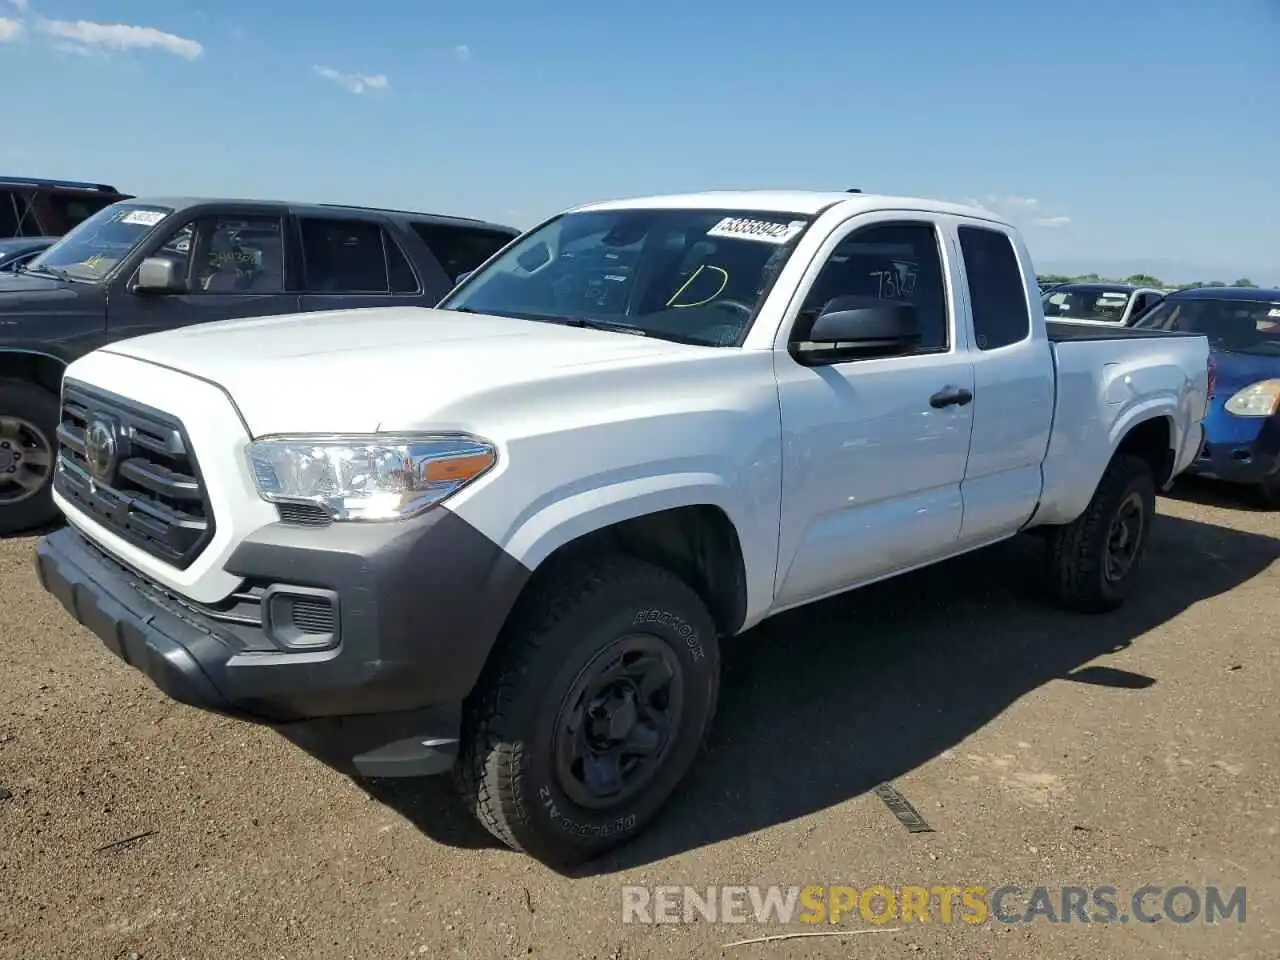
[
  {"x": 92, "y": 249},
  {"x": 891, "y": 261},
  {"x": 1238, "y": 326},
  {"x": 692, "y": 276},
  {"x": 231, "y": 254}
]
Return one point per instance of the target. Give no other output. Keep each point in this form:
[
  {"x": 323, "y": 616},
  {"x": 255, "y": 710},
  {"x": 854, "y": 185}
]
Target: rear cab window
[{"x": 997, "y": 291}]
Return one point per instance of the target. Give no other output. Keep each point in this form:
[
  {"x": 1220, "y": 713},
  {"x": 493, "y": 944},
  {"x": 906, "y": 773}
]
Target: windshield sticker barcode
[
  {"x": 766, "y": 231},
  {"x": 144, "y": 218}
]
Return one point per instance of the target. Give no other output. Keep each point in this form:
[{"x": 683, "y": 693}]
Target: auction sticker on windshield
[
  {"x": 143, "y": 218},
  {"x": 766, "y": 231}
]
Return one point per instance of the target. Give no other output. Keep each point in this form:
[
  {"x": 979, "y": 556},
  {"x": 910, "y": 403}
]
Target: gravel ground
[{"x": 1042, "y": 749}]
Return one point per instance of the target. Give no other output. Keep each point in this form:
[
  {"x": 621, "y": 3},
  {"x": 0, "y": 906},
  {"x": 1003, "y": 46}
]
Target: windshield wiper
[
  {"x": 590, "y": 323},
  {"x": 56, "y": 272}
]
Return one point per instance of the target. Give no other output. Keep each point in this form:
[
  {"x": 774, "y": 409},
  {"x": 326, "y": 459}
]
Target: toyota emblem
[{"x": 101, "y": 448}]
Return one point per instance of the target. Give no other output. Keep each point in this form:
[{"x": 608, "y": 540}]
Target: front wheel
[
  {"x": 591, "y": 710},
  {"x": 28, "y": 419},
  {"x": 1095, "y": 560}
]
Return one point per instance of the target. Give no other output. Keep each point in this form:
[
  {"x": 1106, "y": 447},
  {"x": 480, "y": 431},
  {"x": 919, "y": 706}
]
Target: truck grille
[{"x": 131, "y": 468}]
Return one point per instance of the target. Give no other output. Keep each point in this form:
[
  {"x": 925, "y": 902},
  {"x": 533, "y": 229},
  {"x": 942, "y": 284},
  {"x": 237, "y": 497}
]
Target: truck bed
[{"x": 1060, "y": 331}]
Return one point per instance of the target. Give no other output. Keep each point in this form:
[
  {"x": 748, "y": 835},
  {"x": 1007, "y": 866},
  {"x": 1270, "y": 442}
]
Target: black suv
[
  {"x": 142, "y": 266},
  {"x": 50, "y": 208}
]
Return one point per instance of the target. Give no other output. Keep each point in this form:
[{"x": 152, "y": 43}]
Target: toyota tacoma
[{"x": 506, "y": 537}]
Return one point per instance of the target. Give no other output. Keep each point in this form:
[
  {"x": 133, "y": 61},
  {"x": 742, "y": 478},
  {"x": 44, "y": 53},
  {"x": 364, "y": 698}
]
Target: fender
[
  {"x": 566, "y": 515},
  {"x": 43, "y": 368}
]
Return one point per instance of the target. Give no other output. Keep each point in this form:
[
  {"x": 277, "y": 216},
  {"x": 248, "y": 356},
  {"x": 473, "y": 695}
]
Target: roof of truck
[
  {"x": 801, "y": 202},
  {"x": 315, "y": 209}
]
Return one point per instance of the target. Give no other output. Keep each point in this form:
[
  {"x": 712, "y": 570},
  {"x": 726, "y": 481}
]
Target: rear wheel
[
  {"x": 591, "y": 709},
  {"x": 28, "y": 419},
  {"x": 1095, "y": 560}
]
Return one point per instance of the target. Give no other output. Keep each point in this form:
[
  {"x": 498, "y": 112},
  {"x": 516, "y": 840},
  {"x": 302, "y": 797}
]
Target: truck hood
[{"x": 389, "y": 368}]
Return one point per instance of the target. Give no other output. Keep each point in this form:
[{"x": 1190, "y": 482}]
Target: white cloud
[
  {"x": 357, "y": 83},
  {"x": 462, "y": 52},
  {"x": 119, "y": 36},
  {"x": 10, "y": 30},
  {"x": 19, "y": 4},
  {"x": 76, "y": 49},
  {"x": 1021, "y": 210}
]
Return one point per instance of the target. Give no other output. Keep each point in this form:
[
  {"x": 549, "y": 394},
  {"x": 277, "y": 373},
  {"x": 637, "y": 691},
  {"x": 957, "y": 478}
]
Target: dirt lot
[{"x": 1042, "y": 748}]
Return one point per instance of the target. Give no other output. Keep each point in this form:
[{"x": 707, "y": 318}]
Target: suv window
[
  {"x": 353, "y": 256},
  {"x": 892, "y": 261},
  {"x": 996, "y": 289},
  {"x": 229, "y": 254},
  {"x": 460, "y": 249},
  {"x": 70, "y": 209},
  {"x": 8, "y": 213}
]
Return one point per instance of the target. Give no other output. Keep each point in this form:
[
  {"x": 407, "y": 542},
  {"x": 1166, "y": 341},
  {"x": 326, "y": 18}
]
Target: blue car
[
  {"x": 15, "y": 252},
  {"x": 1242, "y": 429}
]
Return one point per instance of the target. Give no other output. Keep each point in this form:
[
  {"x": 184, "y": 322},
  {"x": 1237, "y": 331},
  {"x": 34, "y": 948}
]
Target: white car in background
[{"x": 1112, "y": 304}]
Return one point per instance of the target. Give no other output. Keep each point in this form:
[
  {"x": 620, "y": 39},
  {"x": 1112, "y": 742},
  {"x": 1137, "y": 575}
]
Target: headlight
[
  {"x": 368, "y": 478},
  {"x": 1260, "y": 399}
]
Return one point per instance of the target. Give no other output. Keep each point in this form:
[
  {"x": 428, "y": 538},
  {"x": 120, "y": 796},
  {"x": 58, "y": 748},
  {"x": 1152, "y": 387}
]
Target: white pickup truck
[{"x": 506, "y": 537}]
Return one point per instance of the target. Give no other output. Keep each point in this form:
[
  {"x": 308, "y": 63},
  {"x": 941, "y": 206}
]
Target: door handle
[{"x": 950, "y": 397}]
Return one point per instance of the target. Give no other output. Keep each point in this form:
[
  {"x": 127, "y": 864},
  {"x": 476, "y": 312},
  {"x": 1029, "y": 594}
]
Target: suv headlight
[
  {"x": 383, "y": 477},
  {"x": 1260, "y": 399}
]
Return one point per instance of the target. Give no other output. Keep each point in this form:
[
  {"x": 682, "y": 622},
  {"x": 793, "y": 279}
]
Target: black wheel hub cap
[
  {"x": 1124, "y": 539},
  {"x": 616, "y": 725},
  {"x": 25, "y": 459}
]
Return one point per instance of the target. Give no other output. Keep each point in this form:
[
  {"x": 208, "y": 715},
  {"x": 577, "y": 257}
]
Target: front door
[
  {"x": 234, "y": 267},
  {"x": 873, "y": 459}
]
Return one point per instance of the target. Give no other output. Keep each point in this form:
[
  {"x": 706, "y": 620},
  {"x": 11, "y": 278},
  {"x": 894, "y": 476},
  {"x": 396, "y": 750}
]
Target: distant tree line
[{"x": 1142, "y": 280}]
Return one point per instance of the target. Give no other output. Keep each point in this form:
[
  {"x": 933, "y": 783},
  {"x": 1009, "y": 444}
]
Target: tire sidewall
[
  {"x": 39, "y": 407},
  {"x": 1139, "y": 480},
  {"x": 689, "y": 633}
]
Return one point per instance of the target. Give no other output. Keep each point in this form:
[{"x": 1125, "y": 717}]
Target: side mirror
[
  {"x": 159, "y": 275},
  {"x": 851, "y": 327},
  {"x": 457, "y": 281}
]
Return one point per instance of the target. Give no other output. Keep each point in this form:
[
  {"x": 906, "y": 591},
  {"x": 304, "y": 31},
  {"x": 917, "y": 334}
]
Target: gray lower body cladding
[{"x": 415, "y": 608}]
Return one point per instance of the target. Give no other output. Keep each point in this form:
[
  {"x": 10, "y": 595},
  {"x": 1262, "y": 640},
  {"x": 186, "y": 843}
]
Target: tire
[
  {"x": 1079, "y": 573},
  {"x": 509, "y": 771},
  {"x": 1268, "y": 493},
  {"x": 33, "y": 413}
]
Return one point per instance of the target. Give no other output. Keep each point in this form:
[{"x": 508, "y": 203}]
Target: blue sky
[{"x": 1120, "y": 132}]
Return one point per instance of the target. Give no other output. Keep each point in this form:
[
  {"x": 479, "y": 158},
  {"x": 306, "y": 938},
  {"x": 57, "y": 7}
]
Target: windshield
[
  {"x": 693, "y": 276},
  {"x": 96, "y": 245},
  {"x": 1086, "y": 303},
  {"x": 1239, "y": 326}
]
